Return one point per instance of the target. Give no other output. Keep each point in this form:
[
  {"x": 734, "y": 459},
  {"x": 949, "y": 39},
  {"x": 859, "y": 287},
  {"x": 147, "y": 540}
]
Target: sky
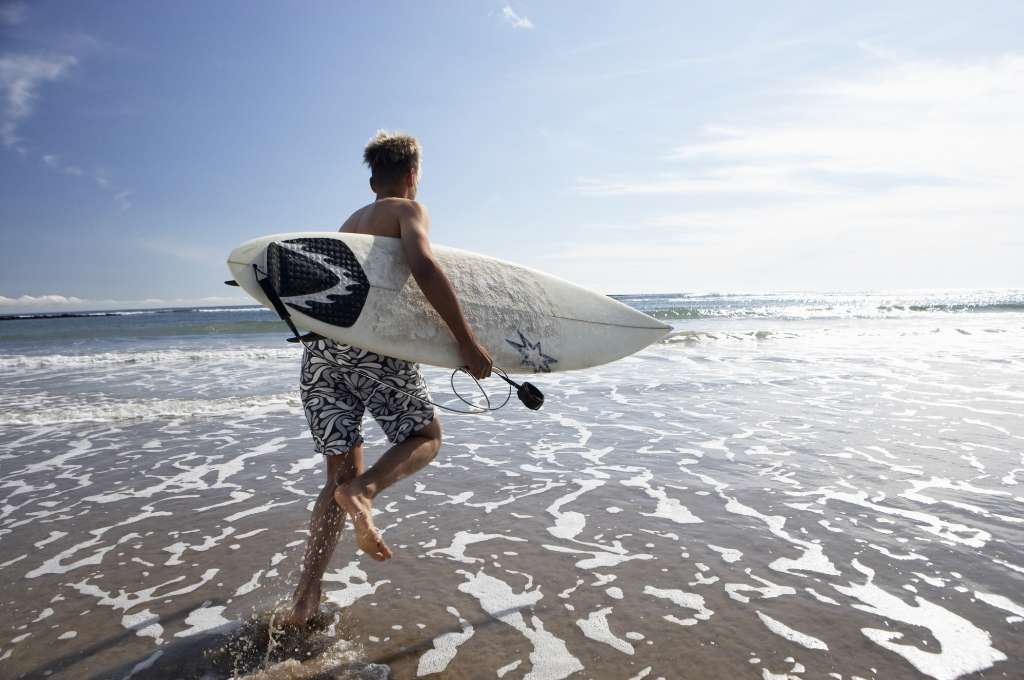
[{"x": 630, "y": 148}]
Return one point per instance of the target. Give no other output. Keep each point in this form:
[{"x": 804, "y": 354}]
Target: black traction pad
[{"x": 312, "y": 267}]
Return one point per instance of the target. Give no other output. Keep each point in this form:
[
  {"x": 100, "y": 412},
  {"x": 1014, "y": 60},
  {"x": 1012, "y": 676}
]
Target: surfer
[{"x": 335, "y": 398}]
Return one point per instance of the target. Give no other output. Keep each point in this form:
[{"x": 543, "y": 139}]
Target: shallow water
[{"x": 757, "y": 497}]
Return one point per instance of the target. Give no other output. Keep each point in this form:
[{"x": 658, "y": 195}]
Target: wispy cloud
[
  {"x": 121, "y": 200},
  {"x": 21, "y": 76},
  {"x": 915, "y": 164},
  {"x": 925, "y": 124},
  {"x": 517, "y": 21},
  {"x": 56, "y": 163}
]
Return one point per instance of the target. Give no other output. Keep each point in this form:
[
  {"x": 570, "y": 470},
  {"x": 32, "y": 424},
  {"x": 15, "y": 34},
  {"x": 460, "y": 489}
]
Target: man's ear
[{"x": 373, "y": 185}]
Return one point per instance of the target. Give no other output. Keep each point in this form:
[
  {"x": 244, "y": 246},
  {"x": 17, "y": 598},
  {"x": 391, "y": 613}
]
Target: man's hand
[{"x": 478, "y": 361}]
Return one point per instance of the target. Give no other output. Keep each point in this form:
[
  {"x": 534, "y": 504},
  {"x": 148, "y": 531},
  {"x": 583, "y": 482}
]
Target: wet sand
[{"x": 724, "y": 510}]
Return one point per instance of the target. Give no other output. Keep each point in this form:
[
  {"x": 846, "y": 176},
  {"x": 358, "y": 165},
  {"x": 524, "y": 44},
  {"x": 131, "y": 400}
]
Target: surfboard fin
[
  {"x": 232, "y": 282},
  {"x": 303, "y": 338}
]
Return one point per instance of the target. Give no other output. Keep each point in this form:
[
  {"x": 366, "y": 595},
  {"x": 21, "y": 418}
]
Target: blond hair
[{"x": 390, "y": 155}]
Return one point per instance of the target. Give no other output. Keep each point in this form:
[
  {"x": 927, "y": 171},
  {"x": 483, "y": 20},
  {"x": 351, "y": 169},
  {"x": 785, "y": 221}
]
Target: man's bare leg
[
  {"x": 401, "y": 460},
  {"x": 325, "y": 526}
]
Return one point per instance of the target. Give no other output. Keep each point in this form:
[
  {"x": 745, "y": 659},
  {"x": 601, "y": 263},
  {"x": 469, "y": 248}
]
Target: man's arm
[{"x": 437, "y": 288}]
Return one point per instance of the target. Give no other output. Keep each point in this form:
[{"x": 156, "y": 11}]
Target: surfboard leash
[
  {"x": 531, "y": 397},
  {"x": 451, "y": 381}
]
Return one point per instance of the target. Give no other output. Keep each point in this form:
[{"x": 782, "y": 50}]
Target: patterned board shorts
[{"x": 335, "y": 397}]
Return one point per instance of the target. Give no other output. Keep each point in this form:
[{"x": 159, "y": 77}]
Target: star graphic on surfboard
[{"x": 530, "y": 354}]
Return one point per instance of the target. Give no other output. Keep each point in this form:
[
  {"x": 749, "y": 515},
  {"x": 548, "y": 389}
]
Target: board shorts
[{"x": 335, "y": 397}]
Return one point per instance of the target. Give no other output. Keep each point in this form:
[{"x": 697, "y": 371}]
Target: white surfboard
[{"x": 358, "y": 290}]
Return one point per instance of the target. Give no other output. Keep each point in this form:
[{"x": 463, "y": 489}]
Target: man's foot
[
  {"x": 360, "y": 509},
  {"x": 303, "y": 609}
]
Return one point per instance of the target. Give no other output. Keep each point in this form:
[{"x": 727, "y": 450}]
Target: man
[{"x": 335, "y": 398}]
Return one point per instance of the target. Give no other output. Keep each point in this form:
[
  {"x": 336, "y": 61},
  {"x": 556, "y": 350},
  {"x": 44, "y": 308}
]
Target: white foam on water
[
  {"x": 356, "y": 584},
  {"x": 813, "y": 557},
  {"x": 250, "y": 534},
  {"x": 491, "y": 506},
  {"x": 445, "y": 647},
  {"x": 178, "y": 549},
  {"x": 1000, "y": 602},
  {"x": 125, "y": 601},
  {"x": 569, "y": 591},
  {"x": 68, "y": 411},
  {"x": 666, "y": 508},
  {"x": 308, "y": 463},
  {"x": 917, "y": 486},
  {"x": 54, "y": 536},
  {"x": 931, "y": 580},
  {"x": 55, "y": 564},
  {"x": 45, "y": 614},
  {"x": 145, "y": 624},
  {"x": 550, "y": 657},
  {"x": 729, "y": 555},
  {"x": 599, "y": 559},
  {"x": 508, "y": 668},
  {"x": 568, "y": 525},
  {"x": 236, "y": 497},
  {"x": 194, "y": 478},
  {"x": 950, "y": 531},
  {"x": 683, "y": 599},
  {"x": 457, "y": 550},
  {"x": 30, "y": 362},
  {"x": 791, "y": 634},
  {"x": 614, "y": 592},
  {"x": 14, "y": 560},
  {"x": 1008, "y": 565},
  {"x": 68, "y": 635},
  {"x": 769, "y": 590},
  {"x": 821, "y": 598},
  {"x": 964, "y": 648},
  {"x": 904, "y": 557},
  {"x": 252, "y": 584},
  {"x": 205, "y": 619},
  {"x": 595, "y": 627}
]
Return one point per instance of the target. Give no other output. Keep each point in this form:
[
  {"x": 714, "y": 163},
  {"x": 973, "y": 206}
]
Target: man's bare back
[{"x": 380, "y": 218}]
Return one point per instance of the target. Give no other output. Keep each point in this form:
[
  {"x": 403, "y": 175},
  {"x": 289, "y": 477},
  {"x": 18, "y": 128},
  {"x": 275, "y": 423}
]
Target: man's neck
[{"x": 392, "y": 194}]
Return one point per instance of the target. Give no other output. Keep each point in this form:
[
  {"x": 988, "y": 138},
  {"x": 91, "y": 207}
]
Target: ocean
[{"x": 799, "y": 485}]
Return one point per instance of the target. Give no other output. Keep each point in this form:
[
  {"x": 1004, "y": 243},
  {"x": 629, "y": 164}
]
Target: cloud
[
  {"x": 906, "y": 171},
  {"x": 121, "y": 200},
  {"x": 21, "y": 75},
  {"x": 509, "y": 15},
  {"x": 28, "y": 304},
  {"x": 56, "y": 163}
]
